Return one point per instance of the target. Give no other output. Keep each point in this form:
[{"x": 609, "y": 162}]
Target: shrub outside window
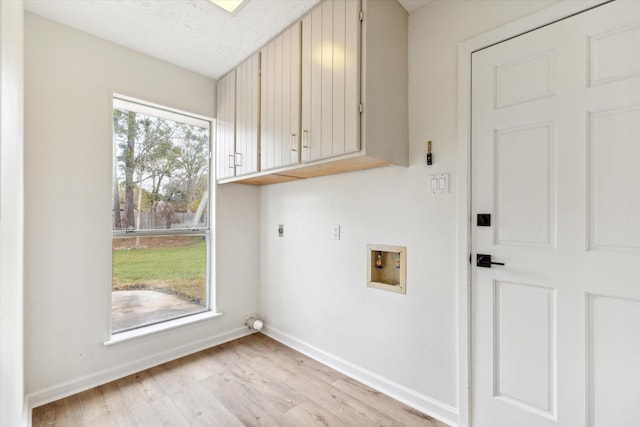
[{"x": 161, "y": 236}]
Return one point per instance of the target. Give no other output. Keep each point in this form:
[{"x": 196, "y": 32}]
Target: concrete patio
[{"x": 142, "y": 307}]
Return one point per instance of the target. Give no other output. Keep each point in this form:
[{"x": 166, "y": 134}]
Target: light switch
[
  {"x": 434, "y": 184},
  {"x": 439, "y": 183},
  {"x": 442, "y": 184}
]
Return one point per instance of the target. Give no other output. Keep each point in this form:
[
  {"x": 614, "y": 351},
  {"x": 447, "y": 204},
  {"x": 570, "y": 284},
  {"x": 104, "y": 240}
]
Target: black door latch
[{"x": 483, "y": 260}]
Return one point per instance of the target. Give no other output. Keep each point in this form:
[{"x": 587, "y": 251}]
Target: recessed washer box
[{"x": 387, "y": 267}]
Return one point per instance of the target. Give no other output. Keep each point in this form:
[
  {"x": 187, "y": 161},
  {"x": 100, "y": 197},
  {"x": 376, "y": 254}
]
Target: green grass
[{"x": 179, "y": 270}]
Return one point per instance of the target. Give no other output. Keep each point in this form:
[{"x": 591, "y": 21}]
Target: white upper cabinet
[
  {"x": 330, "y": 80},
  {"x": 226, "y": 126},
  {"x": 280, "y": 101},
  {"x": 333, "y": 97},
  {"x": 238, "y": 109},
  {"x": 247, "y": 115}
]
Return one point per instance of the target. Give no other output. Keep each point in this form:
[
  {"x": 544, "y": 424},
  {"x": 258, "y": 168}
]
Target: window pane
[
  {"x": 161, "y": 171},
  {"x": 158, "y": 278}
]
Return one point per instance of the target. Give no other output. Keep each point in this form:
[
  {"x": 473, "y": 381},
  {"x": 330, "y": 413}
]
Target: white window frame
[{"x": 157, "y": 110}]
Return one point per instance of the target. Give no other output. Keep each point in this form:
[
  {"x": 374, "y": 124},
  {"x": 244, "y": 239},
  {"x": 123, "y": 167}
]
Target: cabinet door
[
  {"x": 247, "y": 110},
  {"x": 331, "y": 80},
  {"x": 280, "y": 101},
  {"x": 225, "y": 126}
]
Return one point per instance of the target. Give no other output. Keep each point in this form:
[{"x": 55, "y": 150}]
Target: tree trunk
[
  {"x": 129, "y": 167},
  {"x": 138, "y": 219},
  {"x": 117, "y": 221}
]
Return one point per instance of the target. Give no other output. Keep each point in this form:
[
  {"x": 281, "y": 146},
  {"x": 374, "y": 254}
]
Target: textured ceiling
[{"x": 194, "y": 34}]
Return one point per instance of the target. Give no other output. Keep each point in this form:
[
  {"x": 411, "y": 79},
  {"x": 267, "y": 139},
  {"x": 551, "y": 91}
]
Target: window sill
[{"x": 159, "y": 327}]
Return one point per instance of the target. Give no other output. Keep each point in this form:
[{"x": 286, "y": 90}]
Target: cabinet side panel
[{"x": 385, "y": 81}]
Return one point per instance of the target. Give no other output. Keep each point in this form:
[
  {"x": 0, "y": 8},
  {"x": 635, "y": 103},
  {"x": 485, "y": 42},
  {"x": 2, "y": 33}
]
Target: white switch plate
[
  {"x": 439, "y": 184},
  {"x": 335, "y": 231}
]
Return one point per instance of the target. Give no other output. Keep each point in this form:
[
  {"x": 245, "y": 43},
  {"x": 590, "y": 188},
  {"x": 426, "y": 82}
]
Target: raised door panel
[
  {"x": 247, "y": 115},
  {"x": 614, "y": 177},
  {"x": 280, "y": 101},
  {"x": 330, "y": 80},
  {"x": 225, "y": 126},
  {"x": 613, "y": 376}
]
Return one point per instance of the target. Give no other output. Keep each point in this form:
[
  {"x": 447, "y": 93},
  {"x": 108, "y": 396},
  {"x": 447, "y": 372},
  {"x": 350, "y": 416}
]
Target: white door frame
[{"x": 539, "y": 19}]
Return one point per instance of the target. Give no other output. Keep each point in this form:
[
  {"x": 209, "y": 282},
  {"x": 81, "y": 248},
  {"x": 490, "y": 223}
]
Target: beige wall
[
  {"x": 69, "y": 79},
  {"x": 312, "y": 288},
  {"x": 11, "y": 215}
]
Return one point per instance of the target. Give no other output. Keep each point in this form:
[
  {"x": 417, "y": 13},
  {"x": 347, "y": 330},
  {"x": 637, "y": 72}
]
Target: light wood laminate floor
[{"x": 252, "y": 381}]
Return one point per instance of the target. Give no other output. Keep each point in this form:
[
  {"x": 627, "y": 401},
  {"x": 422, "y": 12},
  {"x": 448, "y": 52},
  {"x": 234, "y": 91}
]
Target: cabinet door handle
[
  {"x": 238, "y": 159},
  {"x": 294, "y": 144},
  {"x": 305, "y": 137},
  {"x": 232, "y": 161}
]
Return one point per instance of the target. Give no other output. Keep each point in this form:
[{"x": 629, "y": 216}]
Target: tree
[
  {"x": 193, "y": 163},
  {"x": 128, "y": 157},
  {"x": 145, "y": 153},
  {"x": 163, "y": 160},
  {"x": 117, "y": 221}
]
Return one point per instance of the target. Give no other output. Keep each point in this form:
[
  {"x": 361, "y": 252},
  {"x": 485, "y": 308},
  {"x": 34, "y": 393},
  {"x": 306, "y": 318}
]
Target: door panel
[
  {"x": 330, "y": 80},
  {"x": 614, "y": 173},
  {"x": 226, "y": 126},
  {"x": 247, "y": 110},
  {"x": 613, "y": 389},
  {"x": 529, "y": 220},
  {"x": 555, "y": 154},
  {"x": 280, "y": 100},
  {"x": 539, "y": 72},
  {"x": 609, "y": 58},
  {"x": 525, "y": 346}
]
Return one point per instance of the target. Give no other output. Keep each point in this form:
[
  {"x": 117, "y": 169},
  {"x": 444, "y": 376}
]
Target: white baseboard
[
  {"x": 436, "y": 409},
  {"x": 42, "y": 397}
]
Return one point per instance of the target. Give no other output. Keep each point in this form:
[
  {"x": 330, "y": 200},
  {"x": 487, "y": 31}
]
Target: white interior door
[{"x": 556, "y": 162}]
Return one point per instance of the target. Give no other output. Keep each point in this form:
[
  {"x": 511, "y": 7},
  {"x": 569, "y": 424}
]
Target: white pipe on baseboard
[{"x": 254, "y": 323}]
